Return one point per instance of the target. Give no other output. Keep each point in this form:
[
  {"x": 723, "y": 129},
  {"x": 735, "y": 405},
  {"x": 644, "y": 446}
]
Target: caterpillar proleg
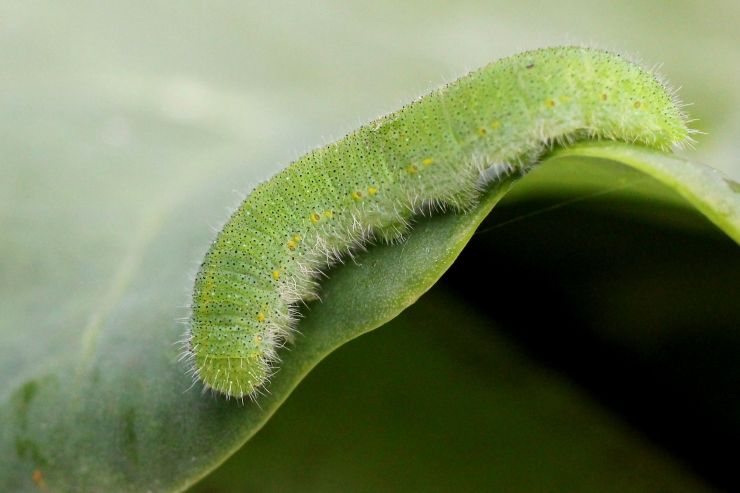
[{"x": 436, "y": 152}]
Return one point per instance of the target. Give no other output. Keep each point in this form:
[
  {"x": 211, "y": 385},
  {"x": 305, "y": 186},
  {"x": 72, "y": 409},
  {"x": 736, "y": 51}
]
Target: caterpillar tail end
[{"x": 238, "y": 377}]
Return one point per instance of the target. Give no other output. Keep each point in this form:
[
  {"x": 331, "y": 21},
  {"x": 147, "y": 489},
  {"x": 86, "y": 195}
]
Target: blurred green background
[{"x": 111, "y": 110}]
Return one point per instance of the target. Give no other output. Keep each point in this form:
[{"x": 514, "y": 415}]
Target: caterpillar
[{"x": 432, "y": 154}]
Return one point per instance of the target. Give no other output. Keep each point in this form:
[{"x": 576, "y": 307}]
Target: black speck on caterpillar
[{"x": 436, "y": 152}]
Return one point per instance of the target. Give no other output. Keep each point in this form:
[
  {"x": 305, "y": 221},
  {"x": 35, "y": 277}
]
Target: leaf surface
[{"x": 93, "y": 396}]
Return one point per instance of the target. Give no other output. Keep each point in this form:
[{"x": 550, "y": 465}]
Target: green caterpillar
[{"x": 434, "y": 153}]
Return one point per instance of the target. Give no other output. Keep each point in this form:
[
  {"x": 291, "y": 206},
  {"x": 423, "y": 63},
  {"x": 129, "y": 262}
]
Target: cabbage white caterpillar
[{"x": 434, "y": 152}]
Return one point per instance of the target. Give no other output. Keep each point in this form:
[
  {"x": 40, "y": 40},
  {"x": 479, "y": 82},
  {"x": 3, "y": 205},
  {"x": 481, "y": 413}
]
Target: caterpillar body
[{"x": 368, "y": 185}]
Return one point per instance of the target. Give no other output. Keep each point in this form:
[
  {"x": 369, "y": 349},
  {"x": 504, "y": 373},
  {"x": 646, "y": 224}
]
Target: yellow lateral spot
[
  {"x": 314, "y": 217},
  {"x": 260, "y": 317},
  {"x": 258, "y": 338},
  {"x": 427, "y": 161},
  {"x": 550, "y": 103},
  {"x": 411, "y": 169},
  {"x": 496, "y": 125},
  {"x": 372, "y": 191},
  {"x": 356, "y": 195},
  {"x": 328, "y": 214},
  {"x": 292, "y": 244},
  {"x": 296, "y": 238},
  {"x": 482, "y": 132},
  {"x": 637, "y": 104},
  {"x": 276, "y": 275}
]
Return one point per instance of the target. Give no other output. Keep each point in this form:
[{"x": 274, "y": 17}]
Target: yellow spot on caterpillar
[
  {"x": 496, "y": 125},
  {"x": 637, "y": 104},
  {"x": 550, "y": 103},
  {"x": 427, "y": 161},
  {"x": 328, "y": 214},
  {"x": 260, "y": 317},
  {"x": 604, "y": 97},
  {"x": 356, "y": 195},
  {"x": 276, "y": 275},
  {"x": 296, "y": 238},
  {"x": 372, "y": 191},
  {"x": 258, "y": 338},
  {"x": 482, "y": 132},
  {"x": 411, "y": 169},
  {"x": 292, "y": 244},
  {"x": 314, "y": 217}
]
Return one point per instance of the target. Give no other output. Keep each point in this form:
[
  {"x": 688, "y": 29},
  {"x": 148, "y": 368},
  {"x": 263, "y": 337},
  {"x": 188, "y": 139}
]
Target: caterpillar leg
[{"x": 393, "y": 232}]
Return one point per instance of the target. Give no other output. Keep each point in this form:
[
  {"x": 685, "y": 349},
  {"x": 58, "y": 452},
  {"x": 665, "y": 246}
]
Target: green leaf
[
  {"x": 713, "y": 194},
  {"x": 93, "y": 396}
]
